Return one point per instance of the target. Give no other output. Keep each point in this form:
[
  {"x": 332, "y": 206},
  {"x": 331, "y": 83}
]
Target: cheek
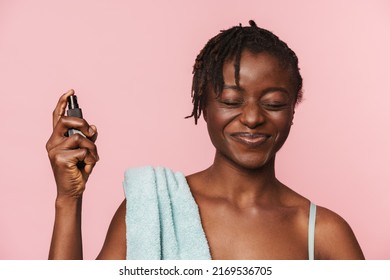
[
  {"x": 220, "y": 117},
  {"x": 215, "y": 125},
  {"x": 217, "y": 120},
  {"x": 282, "y": 125},
  {"x": 281, "y": 119}
]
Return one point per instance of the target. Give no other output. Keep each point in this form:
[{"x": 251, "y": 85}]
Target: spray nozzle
[{"x": 72, "y": 102}]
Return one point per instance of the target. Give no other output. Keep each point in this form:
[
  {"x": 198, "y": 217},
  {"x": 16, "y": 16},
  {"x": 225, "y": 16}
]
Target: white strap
[{"x": 312, "y": 223}]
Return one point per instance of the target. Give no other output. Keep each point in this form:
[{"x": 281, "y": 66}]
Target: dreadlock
[{"x": 229, "y": 44}]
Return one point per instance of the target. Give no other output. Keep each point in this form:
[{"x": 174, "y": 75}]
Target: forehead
[{"x": 258, "y": 68}]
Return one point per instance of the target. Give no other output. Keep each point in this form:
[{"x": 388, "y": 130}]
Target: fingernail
[
  {"x": 91, "y": 131},
  {"x": 69, "y": 91}
]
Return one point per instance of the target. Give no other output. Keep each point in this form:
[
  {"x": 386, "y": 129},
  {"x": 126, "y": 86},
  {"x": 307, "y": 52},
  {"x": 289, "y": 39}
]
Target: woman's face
[{"x": 249, "y": 123}]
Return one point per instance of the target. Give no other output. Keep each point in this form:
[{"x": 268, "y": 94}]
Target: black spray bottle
[{"x": 74, "y": 111}]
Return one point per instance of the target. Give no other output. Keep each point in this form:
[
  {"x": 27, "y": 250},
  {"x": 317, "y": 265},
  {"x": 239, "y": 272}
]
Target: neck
[{"x": 242, "y": 186}]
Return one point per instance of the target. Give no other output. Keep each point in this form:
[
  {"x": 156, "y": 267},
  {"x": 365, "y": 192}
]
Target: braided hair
[{"x": 229, "y": 44}]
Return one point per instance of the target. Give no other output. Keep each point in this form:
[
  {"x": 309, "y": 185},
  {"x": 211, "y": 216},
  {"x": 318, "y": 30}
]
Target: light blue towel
[{"x": 162, "y": 217}]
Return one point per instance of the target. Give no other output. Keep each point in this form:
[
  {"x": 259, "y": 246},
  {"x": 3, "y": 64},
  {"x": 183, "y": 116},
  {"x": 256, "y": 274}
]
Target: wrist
[{"x": 66, "y": 201}]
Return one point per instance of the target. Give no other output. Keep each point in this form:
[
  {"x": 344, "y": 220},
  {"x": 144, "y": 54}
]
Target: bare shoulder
[
  {"x": 334, "y": 238},
  {"x": 114, "y": 246},
  {"x": 196, "y": 181}
]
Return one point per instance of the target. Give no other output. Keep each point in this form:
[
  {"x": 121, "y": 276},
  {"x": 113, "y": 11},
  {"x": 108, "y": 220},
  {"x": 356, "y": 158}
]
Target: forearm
[
  {"x": 65, "y": 154},
  {"x": 66, "y": 241}
]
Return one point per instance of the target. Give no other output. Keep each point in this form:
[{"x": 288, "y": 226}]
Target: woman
[{"x": 246, "y": 84}]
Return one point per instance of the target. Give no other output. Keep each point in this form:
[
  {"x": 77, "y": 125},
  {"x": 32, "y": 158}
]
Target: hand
[{"x": 66, "y": 153}]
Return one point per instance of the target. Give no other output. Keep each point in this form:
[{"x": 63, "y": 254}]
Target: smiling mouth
[{"x": 250, "y": 139}]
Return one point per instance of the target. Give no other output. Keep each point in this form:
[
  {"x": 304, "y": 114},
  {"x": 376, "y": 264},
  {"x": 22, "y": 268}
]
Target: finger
[
  {"x": 66, "y": 159},
  {"x": 95, "y": 135},
  {"x": 58, "y": 137},
  {"x": 60, "y": 130},
  {"x": 92, "y": 155},
  {"x": 72, "y": 160},
  {"x": 77, "y": 141},
  {"x": 65, "y": 123},
  {"x": 59, "y": 111},
  {"x": 87, "y": 170},
  {"x": 57, "y": 145},
  {"x": 84, "y": 161},
  {"x": 89, "y": 164}
]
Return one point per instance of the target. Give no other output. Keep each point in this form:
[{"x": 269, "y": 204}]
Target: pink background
[{"x": 130, "y": 63}]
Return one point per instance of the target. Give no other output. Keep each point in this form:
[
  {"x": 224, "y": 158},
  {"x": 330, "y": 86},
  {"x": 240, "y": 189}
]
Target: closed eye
[
  {"x": 231, "y": 103},
  {"x": 275, "y": 106}
]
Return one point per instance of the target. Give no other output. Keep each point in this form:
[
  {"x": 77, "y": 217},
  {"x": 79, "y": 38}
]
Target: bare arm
[
  {"x": 114, "y": 247},
  {"x": 334, "y": 238},
  {"x": 66, "y": 242},
  {"x": 65, "y": 153}
]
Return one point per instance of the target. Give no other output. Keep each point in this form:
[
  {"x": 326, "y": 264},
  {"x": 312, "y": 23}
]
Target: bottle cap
[{"x": 72, "y": 102}]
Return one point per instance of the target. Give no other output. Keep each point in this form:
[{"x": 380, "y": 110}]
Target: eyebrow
[
  {"x": 281, "y": 89},
  {"x": 233, "y": 87},
  {"x": 270, "y": 89}
]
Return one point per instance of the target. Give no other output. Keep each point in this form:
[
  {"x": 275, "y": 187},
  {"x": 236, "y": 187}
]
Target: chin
[{"x": 253, "y": 162}]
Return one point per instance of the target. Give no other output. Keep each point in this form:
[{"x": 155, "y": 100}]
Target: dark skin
[{"x": 246, "y": 212}]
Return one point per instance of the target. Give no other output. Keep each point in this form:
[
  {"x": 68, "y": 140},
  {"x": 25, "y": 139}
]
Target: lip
[{"x": 250, "y": 139}]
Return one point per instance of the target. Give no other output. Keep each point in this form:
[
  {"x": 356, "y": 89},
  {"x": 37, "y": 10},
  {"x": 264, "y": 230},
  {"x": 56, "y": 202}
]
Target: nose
[{"x": 252, "y": 115}]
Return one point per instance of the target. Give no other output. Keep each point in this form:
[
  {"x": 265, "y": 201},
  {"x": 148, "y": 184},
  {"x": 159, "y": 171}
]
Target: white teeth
[{"x": 252, "y": 139}]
